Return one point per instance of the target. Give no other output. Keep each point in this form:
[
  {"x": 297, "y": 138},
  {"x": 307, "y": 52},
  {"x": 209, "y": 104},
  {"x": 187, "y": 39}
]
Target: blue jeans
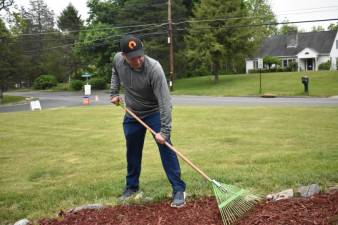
[{"x": 135, "y": 133}]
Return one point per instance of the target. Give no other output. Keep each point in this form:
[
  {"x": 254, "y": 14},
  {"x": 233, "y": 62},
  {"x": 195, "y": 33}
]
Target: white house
[{"x": 309, "y": 50}]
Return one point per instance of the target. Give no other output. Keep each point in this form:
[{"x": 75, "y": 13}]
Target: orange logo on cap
[{"x": 131, "y": 44}]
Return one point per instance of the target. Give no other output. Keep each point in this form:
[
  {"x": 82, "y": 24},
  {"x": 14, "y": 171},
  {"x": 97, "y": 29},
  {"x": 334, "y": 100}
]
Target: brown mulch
[{"x": 321, "y": 209}]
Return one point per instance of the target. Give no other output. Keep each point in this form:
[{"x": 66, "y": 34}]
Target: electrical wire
[
  {"x": 180, "y": 22},
  {"x": 256, "y": 25},
  {"x": 95, "y": 40}
]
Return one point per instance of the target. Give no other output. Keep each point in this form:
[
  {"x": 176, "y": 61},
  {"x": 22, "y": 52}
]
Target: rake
[{"x": 232, "y": 201}]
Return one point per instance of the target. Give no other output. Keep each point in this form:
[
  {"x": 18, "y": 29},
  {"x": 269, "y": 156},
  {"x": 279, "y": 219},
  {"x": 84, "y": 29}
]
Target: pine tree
[
  {"x": 215, "y": 39},
  {"x": 70, "y": 20},
  {"x": 221, "y": 37},
  {"x": 4, "y": 65},
  {"x": 70, "y": 23},
  {"x": 38, "y": 21}
]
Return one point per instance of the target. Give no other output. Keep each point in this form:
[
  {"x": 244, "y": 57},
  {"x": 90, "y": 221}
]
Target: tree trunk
[
  {"x": 216, "y": 71},
  {"x": 1, "y": 94}
]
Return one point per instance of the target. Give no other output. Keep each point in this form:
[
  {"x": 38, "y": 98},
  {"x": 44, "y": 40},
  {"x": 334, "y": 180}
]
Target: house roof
[{"x": 321, "y": 42}]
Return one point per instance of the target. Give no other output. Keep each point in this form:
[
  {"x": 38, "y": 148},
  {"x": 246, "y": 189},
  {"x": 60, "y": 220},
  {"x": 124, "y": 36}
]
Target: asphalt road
[{"x": 67, "y": 99}]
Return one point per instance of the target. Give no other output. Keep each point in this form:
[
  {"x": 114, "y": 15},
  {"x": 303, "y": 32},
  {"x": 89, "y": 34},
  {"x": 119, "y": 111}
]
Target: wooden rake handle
[{"x": 167, "y": 144}]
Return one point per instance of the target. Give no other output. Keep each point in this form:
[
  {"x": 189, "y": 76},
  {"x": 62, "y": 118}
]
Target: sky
[
  {"x": 302, "y": 10},
  {"x": 291, "y": 10}
]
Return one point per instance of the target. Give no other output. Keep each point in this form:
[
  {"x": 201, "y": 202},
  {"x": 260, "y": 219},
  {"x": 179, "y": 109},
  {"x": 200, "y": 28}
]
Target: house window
[
  {"x": 285, "y": 63},
  {"x": 255, "y": 64},
  {"x": 290, "y": 61},
  {"x": 336, "y": 44}
]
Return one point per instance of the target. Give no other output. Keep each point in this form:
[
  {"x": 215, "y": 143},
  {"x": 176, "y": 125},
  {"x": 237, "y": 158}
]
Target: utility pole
[{"x": 171, "y": 50}]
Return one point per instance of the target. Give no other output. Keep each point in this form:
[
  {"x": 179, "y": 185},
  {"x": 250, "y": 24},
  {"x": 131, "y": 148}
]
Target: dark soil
[{"x": 319, "y": 209}]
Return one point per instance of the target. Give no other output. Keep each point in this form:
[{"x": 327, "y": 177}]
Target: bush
[
  {"x": 76, "y": 85},
  {"x": 293, "y": 66},
  {"x": 325, "y": 66},
  {"x": 44, "y": 82},
  {"x": 98, "y": 83}
]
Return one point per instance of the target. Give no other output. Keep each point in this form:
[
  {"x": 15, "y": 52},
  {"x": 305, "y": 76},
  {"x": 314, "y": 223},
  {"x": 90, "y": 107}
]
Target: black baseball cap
[{"x": 131, "y": 46}]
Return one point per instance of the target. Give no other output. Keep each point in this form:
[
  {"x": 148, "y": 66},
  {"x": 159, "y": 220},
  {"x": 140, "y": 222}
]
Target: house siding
[
  {"x": 334, "y": 54},
  {"x": 249, "y": 65}
]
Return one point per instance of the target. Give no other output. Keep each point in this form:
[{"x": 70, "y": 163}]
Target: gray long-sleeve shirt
[{"x": 146, "y": 90}]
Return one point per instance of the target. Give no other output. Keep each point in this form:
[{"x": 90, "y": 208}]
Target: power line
[
  {"x": 181, "y": 29},
  {"x": 103, "y": 38},
  {"x": 93, "y": 29},
  {"x": 229, "y": 18},
  {"x": 179, "y": 22},
  {"x": 92, "y": 41},
  {"x": 256, "y": 25}
]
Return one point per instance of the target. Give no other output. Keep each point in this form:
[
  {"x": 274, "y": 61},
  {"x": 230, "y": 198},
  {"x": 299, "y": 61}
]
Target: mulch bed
[{"x": 320, "y": 209}]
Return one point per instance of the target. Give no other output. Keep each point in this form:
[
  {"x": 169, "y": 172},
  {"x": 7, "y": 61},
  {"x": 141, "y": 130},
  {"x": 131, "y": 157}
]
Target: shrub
[
  {"x": 293, "y": 66},
  {"x": 325, "y": 66},
  {"x": 76, "y": 85},
  {"x": 44, "y": 82},
  {"x": 98, "y": 83}
]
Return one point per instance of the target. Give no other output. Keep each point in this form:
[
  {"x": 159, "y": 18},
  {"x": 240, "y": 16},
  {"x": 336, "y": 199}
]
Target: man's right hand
[{"x": 116, "y": 100}]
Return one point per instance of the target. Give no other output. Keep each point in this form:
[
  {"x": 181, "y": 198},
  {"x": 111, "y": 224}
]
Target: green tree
[
  {"x": 23, "y": 67},
  {"x": 333, "y": 26},
  {"x": 287, "y": 28},
  {"x": 127, "y": 13},
  {"x": 9, "y": 58},
  {"x": 37, "y": 38},
  {"x": 317, "y": 28},
  {"x": 220, "y": 39},
  {"x": 261, "y": 13},
  {"x": 271, "y": 60},
  {"x": 70, "y": 20},
  {"x": 5, "y": 63},
  {"x": 39, "y": 16},
  {"x": 70, "y": 23},
  {"x": 95, "y": 48},
  {"x": 104, "y": 11}
]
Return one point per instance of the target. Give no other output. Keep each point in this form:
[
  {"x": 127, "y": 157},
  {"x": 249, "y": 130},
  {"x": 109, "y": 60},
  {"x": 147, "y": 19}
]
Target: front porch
[{"x": 307, "y": 64}]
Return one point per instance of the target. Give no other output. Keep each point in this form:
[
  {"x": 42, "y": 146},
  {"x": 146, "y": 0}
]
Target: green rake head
[{"x": 232, "y": 201}]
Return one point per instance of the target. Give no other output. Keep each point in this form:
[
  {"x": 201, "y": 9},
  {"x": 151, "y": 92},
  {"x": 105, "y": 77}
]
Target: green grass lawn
[
  {"x": 59, "y": 159},
  {"x": 12, "y": 99},
  {"x": 322, "y": 83}
]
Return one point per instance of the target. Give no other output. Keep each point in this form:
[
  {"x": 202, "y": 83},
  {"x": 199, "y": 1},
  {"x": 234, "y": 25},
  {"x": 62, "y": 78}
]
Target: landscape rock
[
  {"x": 286, "y": 194},
  {"x": 308, "y": 191},
  {"x": 332, "y": 189},
  {"x": 22, "y": 222},
  {"x": 90, "y": 206}
]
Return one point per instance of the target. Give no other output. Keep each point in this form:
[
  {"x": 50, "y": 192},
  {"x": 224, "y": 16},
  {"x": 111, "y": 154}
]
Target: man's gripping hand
[
  {"x": 116, "y": 100},
  {"x": 159, "y": 138}
]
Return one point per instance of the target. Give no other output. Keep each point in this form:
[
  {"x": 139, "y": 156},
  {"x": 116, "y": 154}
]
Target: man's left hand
[{"x": 159, "y": 138}]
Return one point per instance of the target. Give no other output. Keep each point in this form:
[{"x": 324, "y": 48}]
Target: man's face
[{"x": 135, "y": 62}]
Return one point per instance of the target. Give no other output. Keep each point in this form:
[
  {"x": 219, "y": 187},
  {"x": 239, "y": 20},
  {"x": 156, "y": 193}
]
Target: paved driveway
[{"x": 66, "y": 99}]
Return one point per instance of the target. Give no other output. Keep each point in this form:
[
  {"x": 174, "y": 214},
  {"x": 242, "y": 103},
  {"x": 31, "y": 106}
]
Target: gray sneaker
[
  {"x": 178, "y": 199},
  {"x": 128, "y": 194}
]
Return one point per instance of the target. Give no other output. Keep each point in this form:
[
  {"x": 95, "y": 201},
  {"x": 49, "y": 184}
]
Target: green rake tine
[
  {"x": 231, "y": 217},
  {"x": 231, "y": 199},
  {"x": 229, "y": 214},
  {"x": 232, "y": 202}
]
